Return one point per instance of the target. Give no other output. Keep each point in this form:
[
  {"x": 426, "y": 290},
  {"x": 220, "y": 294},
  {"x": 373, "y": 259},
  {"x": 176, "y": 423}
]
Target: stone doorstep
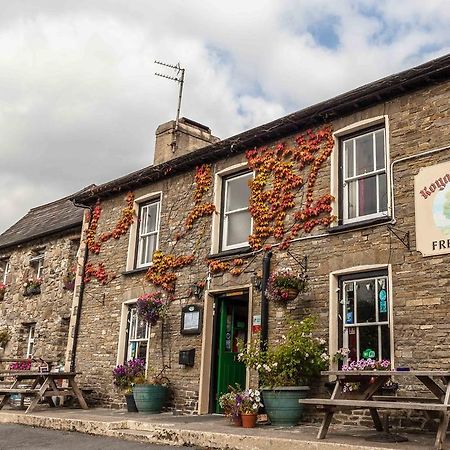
[{"x": 188, "y": 434}]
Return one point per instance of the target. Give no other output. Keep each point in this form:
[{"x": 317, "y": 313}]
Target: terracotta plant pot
[{"x": 249, "y": 420}]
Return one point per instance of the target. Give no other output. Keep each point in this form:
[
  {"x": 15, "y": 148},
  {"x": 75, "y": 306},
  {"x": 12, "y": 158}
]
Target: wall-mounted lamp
[
  {"x": 197, "y": 289},
  {"x": 256, "y": 280}
]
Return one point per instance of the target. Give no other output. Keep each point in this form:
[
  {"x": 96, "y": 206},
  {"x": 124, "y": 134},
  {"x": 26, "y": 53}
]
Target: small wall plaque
[{"x": 191, "y": 319}]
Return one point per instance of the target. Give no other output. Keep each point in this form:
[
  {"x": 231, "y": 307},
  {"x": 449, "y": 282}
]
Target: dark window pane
[
  {"x": 352, "y": 344},
  {"x": 365, "y": 297},
  {"x": 379, "y": 143},
  {"x": 383, "y": 301},
  {"x": 349, "y": 303},
  {"x": 385, "y": 343},
  {"x": 364, "y": 154},
  {"x": 368, "y": 342},
  {"x": 348, "y": 151},
  {"x": 382, "y": 190},
  {"x": 367, "y": 196}
]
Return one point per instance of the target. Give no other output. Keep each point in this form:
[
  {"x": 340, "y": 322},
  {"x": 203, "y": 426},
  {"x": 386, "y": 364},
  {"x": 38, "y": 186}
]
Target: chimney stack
[{"x": 189, "y": 137}]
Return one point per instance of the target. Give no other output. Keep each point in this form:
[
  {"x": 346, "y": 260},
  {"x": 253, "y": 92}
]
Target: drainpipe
[
  {"x": 265, "y": 301},
  {"x": 80, "y": 295}
]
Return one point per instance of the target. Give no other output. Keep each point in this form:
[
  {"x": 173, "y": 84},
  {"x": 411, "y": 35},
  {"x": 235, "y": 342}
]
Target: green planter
[
  {"x": 150, "y": 398},
  {"x": 282, "y": 404}
]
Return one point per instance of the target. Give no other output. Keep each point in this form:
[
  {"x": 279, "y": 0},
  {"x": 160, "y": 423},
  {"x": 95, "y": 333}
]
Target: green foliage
[{"x": 299, "y": 358}]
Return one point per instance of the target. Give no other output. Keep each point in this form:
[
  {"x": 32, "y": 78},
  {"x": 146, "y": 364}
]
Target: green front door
[{"x": 233, "y": 317}]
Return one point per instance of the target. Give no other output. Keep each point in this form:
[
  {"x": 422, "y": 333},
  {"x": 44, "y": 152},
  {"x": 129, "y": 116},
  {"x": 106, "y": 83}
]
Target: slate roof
[
  {"x": 43, "y": 220},
  {"x": 432, "y": 72}
]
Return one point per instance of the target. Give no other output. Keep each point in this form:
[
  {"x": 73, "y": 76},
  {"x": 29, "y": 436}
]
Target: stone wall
[
  {"x": 421, "y": 286},
  {"x": 49, "y": 310}
]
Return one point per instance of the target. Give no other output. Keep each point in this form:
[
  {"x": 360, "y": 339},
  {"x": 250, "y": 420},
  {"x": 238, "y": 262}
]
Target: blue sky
[{"x": 79, "y": 102}]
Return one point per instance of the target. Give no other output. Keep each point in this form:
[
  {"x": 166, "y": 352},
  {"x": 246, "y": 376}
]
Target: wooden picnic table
[
  {"x": 43, "y": 386},
  {"x": 365, "y": 397}
]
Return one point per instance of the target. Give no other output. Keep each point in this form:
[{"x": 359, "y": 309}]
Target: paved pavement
[{"x": 20, "y": 437}]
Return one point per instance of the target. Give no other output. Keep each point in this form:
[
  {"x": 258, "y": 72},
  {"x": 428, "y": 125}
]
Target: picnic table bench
[
  {"x": 43, "y": 387},
  {"x": 365, "y": 397}
]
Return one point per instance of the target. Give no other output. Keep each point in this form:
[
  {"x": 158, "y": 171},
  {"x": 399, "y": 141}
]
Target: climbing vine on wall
[{"x": 279, "y": 179}]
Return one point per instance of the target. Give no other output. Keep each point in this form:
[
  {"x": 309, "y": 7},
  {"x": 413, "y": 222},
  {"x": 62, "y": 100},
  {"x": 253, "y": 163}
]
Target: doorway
[{"x": 230, "y": 325}]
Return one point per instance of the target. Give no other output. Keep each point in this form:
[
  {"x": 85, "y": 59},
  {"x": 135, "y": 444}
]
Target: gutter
[{"x": 80, "y": 295}]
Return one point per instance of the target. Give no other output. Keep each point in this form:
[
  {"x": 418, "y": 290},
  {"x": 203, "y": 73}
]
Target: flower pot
[
  {"x": 131, "y": 404},
  {"x": 236, "y": 420},
  {"x": 291, "y": 294},
  {"x": 34, "y": 290},
  {"x": 249, "y": 420},
  {"x": 69, "y": 285},
  {"x": 150, "y": 398},
  {"x": 282, "y": 404}
]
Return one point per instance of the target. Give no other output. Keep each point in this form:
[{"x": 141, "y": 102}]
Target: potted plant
[
  {"x": 124, "y": 378},
  {"x": 286, "y": 369},
  {"x": 249, "y": 403},
  {"x": 150, "y": 307},
  {"x": 150, "y": 394},
  {"x": 32, "y": 286},
  {"x": 229, "y": 404},
  {"x": 21, "y": 365},
  {"x": 2, "y": 291},
  {"x": 4, "y": 339},
  {"x": 285, "y": 284}
]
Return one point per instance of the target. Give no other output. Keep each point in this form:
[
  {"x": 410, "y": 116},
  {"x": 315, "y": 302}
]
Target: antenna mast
[{"x": 179, "y": 78}]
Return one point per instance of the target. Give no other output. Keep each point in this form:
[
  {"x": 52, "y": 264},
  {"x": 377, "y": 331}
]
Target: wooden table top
[
  {"x": 389, "y": 373},
  {"x": 34, "y": 374}
]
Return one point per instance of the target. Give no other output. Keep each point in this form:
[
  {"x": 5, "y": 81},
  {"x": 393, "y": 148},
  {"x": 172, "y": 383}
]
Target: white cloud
[{"x": 79, "y": 102}]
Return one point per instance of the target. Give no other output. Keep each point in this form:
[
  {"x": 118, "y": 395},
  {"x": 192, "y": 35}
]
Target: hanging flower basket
[
  {"x": 284, "y": 285},
  {"x": 150, "y": 307},
  {"x": 32, "y": 287}
]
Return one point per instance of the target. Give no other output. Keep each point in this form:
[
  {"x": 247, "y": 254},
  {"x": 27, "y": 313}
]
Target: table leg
[
  {"x": 325, "y": 424},
  {"x": 4, "y": 400},
  {"x": 39, "y": 395},
  {"x": 376, "y": 419},
  {"x": 73, "y": 384},
  {"x": 442, "y": 431}
]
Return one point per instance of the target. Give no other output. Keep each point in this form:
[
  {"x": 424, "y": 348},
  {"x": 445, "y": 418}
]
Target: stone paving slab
[{"x": 204, "y": 431}]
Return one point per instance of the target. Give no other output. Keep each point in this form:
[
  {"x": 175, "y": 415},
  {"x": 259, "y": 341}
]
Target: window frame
[
  {"x": 137, "y": 250},
  {"x": 342, "y": 325},
  {"x": 223, "y": 233},
  {"x": 343, "y": 181},
  {"x": 37, "y": 263},
  {"x": 131, "y": 314},
  {"x": 31, "y": 340},
  {"x": 6, "y": 271}
]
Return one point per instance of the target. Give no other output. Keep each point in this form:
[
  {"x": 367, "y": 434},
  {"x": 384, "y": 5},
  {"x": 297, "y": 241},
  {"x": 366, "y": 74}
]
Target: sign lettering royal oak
[{"x": 432, "y": 202}]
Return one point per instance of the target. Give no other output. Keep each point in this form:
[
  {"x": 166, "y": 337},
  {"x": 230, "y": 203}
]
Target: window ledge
[
  {"x": 134, "y": 271},
  {"x": 361, "y": 224},
  {"x": 232, "y": 252}
]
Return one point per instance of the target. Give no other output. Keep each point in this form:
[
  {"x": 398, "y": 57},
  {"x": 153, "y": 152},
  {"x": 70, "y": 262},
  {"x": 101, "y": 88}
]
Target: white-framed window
[
  {"x": 363, "y": 174},
  {"x": 148, "y": 231},
  {"x": 137, "y": 334},
  {"x": 6, "y": 266},
  {"x": 236, "y": 223},
  {"x": 366, "y": 321},
  {"x": 37, "y": 263},
  {"x": 30, "y": 333}
]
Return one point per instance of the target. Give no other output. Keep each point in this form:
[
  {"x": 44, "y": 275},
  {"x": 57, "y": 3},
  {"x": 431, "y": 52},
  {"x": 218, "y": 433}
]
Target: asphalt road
[{"x": 20, "y": 437}]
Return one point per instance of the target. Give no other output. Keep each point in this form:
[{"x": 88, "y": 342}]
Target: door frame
[{"x": 206, "y": 372}]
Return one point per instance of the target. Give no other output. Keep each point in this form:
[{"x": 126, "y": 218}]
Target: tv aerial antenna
[{"x": 178, "y": 77}]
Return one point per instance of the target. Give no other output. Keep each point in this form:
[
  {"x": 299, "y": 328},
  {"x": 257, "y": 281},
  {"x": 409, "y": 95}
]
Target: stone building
[
  {"x": 349, "y": 190},
  {"x": 37, "y": 257}
]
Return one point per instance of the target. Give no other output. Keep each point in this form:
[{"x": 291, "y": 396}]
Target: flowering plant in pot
[
  {"x": 151, "y": 393},
  {"x": 32, "y": 286},
  {"x": 286, "y": 369},
  {"x": 285, "y": 284},
  {"x": 363, "y": 364},
  {"x": 150, "y": 307},
  {"x": 229, "y": 404},
  {"x": 4, "y": 339},
  {"x": 20, "y": 365},
  {"x": 69, "y": 279},
  {"x": 249, "y": 403},
  {"x": 125, "y": 376},
  {"x": 2, "y": 290}
]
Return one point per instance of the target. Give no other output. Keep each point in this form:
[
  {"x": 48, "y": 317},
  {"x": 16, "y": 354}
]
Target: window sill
[
  {"x": 361, "y": 224},
  {"x": 232, "y": 252},
  {"x": 134, "y": 271}
]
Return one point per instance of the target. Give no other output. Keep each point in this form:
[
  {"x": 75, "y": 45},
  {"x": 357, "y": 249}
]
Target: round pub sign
[{"x": 432, "y": 205}]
